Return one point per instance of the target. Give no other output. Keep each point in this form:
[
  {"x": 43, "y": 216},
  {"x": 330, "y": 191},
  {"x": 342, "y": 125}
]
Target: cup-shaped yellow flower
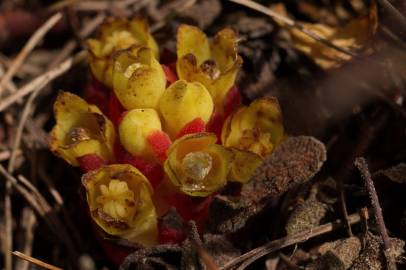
[
  {"x": 81, "y": 129},
  {"x": 138, "y": 79},
  {"x": 257, "y": 128},
  {"x": 215, "y": 64},
  {"x": 134, "y": 129},
  {"x": 182, "y": 102},
  {"x": 196, "y": 165},
  {"x": 119, "y": 199},
  {"x": 117, "y": 34}
]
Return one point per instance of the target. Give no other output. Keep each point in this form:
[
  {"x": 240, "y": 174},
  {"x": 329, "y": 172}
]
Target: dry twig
[
  {"x": 29, "y": 46},
  {"x": 71, "y": 45},
  {"x": 362, "y": 166},
  {"x": 35, "y": 261},
  {"x": 291, "y": 23},
  {"x": 395, "y": 14},
  {"x": 251, "y": 256},
  {"x": 206, "y": 258},
  {"x": 29, "y": 223},
  {"x": 42, "y": 81}
]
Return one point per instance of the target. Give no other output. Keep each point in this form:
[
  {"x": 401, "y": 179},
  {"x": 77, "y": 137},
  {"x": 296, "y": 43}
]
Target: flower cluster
[{"x": 150, "y": 135}]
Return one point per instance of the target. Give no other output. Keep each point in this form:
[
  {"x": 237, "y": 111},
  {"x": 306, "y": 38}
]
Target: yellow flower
[
  {"x": 117, "y": 34},
  {"x": 196, "y": 165},
  {"x": 135, "y": 128},
  {"x": 119, "y": 199},
  {"x": 80, "y": 129},
  {"x": 214, "y": 64},
  {"x": 138, "y": 79},
  {"x": 257, "y": 128},
  {"x": 183, "y": 102}
]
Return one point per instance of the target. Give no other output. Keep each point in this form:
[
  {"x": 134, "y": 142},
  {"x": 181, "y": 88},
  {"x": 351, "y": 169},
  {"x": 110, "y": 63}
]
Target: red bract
[
  {"x": 216, "y": 124},
  {"x": 197, "y": 125},
  {"x": 97, "y": 94},
  {"x": 190, "y": 208},
  {"x": 114, "y": 252},
  {"x": 152, "y": 170},
  {"x": 115, "y": 109},
  {"x": 169, "y": 236},
  {"x": 170, "y": 75},
  {"x": 159, "y": 142},
  {"x": 232, "y": 101},
  {"x": 90, "y": 162}
]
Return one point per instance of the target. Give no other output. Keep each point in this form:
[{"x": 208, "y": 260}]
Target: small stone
[
  {"x": 337, "y": 255},
  {"x": 372, "y": 257},
  {"x": 306, "y": 216}
]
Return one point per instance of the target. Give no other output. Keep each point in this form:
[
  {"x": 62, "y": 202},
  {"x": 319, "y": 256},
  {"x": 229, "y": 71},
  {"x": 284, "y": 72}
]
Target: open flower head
[
  {"x": 81, "y": 129},
  {"x": 215, "y": 64},
  {"x": 117, "y": 34},
  {"x": 119, "y": 198},
  {"x": 138, "y": 79},
  {"x": 182, "y": 103},
  {"x": 257, "y": 128},
  {"x": 196, "y": 165}
]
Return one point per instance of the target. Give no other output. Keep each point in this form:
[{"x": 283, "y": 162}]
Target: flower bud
[
  {"x": 119, "y": 199},
  {"x": 138, "y": 79},
  {"x": 183, "y": 102},
  {"x": 81, "y": 129},
  {"x": 134, "y": 129}
]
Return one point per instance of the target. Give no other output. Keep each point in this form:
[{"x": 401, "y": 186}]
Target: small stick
[
  {"x": 253, "y": 255},
  {"x": 363, "y": 213},
  {"x": 20, "y": 128},
  {"x": 29, "y": 46},
  {"x": 29, "y": 222},
  {"x": 362, "y": 166},
  {"x": 41, "y": 81},
  {"x": 8, "y": 224},
  {"x": 205, "y": 256},
  {"x": 87, "y": 29},
  {"x": 35, "y": 261},
  {"x": 394, "y": 13},
  {"x": 291, "y": 265},
  {"x": 291, "y": 23}
]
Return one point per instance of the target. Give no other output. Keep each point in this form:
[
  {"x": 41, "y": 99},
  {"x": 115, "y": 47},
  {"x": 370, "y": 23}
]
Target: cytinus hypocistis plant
[{"x": 150, "y": 136}]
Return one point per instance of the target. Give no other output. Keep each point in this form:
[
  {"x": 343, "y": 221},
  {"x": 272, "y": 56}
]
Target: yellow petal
[
  {"x": 215, "y": 161},
  {"x": 224, "y": 49},
  {"x": 182, "y": 102},
  {"x": 191, "y": 40},
  {"x": 80, "y": 129},
  {"x": 244, "y": 165},
  {"x": 138, "y": 78},
  {"x": 140, "y": 29},
  {"x": 134, "y": 218},
  {"x": 134, "y": 129}
]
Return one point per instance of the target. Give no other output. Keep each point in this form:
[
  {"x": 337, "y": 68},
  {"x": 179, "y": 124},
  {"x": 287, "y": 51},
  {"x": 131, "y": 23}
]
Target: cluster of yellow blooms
[{"x": 165, "y": 124}]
